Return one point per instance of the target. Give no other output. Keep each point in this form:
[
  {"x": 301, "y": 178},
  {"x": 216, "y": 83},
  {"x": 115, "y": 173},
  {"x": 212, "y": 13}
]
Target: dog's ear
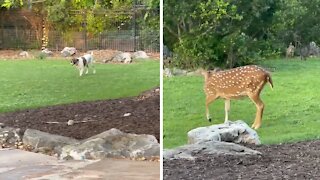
[{"x": 74, "y": 61}]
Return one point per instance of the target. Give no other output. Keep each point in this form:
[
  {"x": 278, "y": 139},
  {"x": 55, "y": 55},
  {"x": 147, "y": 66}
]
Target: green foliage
[
  {"x": 217, "y": 32},
  {"x": 291, "y": 108},
  {"x": 296, "y": 21},
  {"x": 96, "y": 16},
  {"x": 210, "y": 33},
  {"x": 11, "y": 3},
  {"x": 34, "y": 83}
]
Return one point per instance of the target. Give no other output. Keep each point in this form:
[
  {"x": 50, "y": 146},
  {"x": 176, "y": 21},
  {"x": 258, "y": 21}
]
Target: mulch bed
[
  {"x": 99, "y": 116},
  {"x": 287, "y": 161}
]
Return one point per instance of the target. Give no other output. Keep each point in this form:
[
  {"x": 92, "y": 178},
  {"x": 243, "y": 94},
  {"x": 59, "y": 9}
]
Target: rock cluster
[
  {"x": 125, "y": 57},
  {"x": 217, "y": 139},
  {"x": 112, "y": 143}
]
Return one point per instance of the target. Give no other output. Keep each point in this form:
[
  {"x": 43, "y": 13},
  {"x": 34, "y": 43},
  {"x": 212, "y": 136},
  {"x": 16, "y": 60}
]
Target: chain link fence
[{"x": 131, "y": 33}]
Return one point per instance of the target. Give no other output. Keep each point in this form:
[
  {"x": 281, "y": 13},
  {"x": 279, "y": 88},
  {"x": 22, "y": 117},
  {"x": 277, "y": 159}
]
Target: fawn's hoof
[
  {"x": 255, "y": 126},
  {"x": 209, "y": 119}
]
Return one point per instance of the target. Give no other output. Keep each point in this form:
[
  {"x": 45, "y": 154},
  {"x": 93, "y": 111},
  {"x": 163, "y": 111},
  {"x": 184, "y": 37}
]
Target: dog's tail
[{"x": 91, "y": 53}]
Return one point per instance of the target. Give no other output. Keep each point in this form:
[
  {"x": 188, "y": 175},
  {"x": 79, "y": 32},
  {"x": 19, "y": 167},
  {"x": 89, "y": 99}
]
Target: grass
[
  {"x": 38, "y": 83},
  {"x": 292, "y": 109}
]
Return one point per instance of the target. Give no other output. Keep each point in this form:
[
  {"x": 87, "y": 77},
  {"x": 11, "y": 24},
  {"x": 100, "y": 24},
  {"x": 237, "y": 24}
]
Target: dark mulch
[
  {"x": 287, "y": 161},
  {"x": 100, "y": 116}
]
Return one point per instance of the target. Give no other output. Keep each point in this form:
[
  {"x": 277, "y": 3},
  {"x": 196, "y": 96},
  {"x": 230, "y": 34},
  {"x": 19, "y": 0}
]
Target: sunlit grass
[
  {"x": 37, "y": 83},
  {"x": 292, "y": 109}
]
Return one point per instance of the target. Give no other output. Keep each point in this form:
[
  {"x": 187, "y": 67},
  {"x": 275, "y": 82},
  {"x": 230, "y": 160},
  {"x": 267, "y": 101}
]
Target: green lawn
[
  {"x": 38, "y": 83},
  {"x": 292, "y": 109}
]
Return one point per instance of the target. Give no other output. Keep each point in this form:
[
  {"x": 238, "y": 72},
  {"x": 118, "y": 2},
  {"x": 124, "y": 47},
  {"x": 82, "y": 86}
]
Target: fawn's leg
[
  {"x": 260, "y": 107},
  {"x": 226, "y": 109},
  {"x": 209, "y": 100}
]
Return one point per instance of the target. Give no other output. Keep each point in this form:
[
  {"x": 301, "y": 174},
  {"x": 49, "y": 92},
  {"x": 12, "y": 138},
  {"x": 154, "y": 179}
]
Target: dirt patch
[
  {"x": 91, "y": 118},
  {"x": 288, "y": 161}
]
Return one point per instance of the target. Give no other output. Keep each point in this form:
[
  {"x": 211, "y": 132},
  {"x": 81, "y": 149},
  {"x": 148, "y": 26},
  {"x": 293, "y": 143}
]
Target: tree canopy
[
  {"x": 236, "y": 32},
  {"x": 97, "y": 14}
]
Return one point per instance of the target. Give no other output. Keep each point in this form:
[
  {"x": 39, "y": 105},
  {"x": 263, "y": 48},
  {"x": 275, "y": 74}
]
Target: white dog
[{"x": 83, "y": 63}]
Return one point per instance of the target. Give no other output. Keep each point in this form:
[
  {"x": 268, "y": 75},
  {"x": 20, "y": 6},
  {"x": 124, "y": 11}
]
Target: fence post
[
  {"x": 134, "y": 26},
  {"x": 85, "y": 30},
  {"x": 1, "y": 29}
]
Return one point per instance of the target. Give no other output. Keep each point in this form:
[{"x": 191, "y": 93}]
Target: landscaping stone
[
  {"x": 68, "y": 51},
  {"x": 70, "y": 122},
  {"x": 237, "y": 132},
  {"x": 167, "y": 72},
  {"x": 175, "y": 72},
  {"x": 122, "y": 57},
  {"x": 24, "y": 54},
  {"x": 9, "y": 136},
  {"x": 207, "y": 147},
  {"x": 140, "y": 55},
  {"x": 38, "y": 139},
  {"x": 47, "y": 52},
  {"x": 113, "y": 143},
  {"x": 216, "y": 139}
]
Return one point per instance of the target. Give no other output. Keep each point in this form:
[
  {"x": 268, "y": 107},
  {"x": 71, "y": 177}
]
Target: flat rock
[
  {"x": 17, "y": 165},
  {"x": 113, "y": 143},
  {"x": 38, "y": 139},
  {"x": 47, "y": 52},
  {"x": 140, "y": 55},
  {"x": 68, "y": 51},
  {"x": 207, "y": 147},
  {"x": 122, "y": 57},
  {"x": 237, "y": 132}
]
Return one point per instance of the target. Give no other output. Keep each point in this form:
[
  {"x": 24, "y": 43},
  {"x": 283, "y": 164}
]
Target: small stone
[
  {"x": 18, "y": 130},
  {"x": 68, "y": 158},
  {"x": 24, "y": 54},
  {"x": 126, "y": 114},
  {"x": 70, "y": 122}
]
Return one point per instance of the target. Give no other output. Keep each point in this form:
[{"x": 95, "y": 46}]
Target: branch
[{"x": 171, "y": 31}]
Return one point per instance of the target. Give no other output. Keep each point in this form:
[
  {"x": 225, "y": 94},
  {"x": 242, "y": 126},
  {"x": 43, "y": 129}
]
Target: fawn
[{"x": 234, "y": 84}]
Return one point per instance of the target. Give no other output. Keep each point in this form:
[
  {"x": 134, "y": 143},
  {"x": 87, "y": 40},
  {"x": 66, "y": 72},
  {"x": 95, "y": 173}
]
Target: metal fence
[{"x": 131, "y": 35}]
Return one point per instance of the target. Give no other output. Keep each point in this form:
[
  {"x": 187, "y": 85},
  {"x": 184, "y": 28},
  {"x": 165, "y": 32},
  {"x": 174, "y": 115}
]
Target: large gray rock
[
  {"x": 237, "y": 132},
  {"x": 68, "y": 51},
  {"x": 140, "y": 55},
  {"x": 38, "y": 139},
  {"x": 122, "y": 57},
  {"x": 314, "y": 50},
  {"x": 113, "y": 143},
  {"x": 207, "y": 147}
]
